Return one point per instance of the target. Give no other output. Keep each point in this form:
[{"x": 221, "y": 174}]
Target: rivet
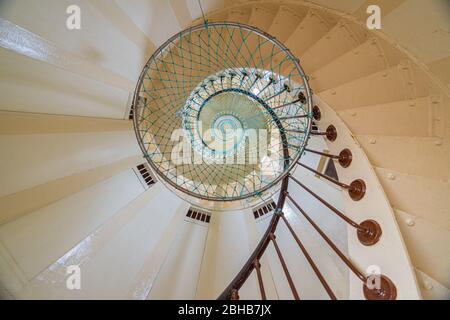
[
  {"x": 373, "y": 141},
  {"x": 438, "y": 142},
  {"x": 410, "y": 82},
  {"x": 427, "y": 285},
  {"x": 353, "y": 113},
  {"x": 412, "y": 104},
  {"x": 410, "y": 222},
  {"x": 391, "y": 176},
  {"x": 356, "y": 52},
  {"x": 384, "y": 75},
  {"x": 333, "y": 92},
  {"x": 435, "y": 101}
]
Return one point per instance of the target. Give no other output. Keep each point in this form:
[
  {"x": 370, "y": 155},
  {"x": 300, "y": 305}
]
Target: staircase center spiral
[{"x": 222, "y": 112}]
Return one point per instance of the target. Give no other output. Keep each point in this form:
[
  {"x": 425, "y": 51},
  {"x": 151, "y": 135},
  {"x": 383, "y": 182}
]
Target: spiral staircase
[{"x": 354, "y": 204}]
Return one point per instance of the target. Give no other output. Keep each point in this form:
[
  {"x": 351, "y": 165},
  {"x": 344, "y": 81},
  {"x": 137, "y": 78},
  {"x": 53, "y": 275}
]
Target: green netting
[{"x": 210, "y": 79}]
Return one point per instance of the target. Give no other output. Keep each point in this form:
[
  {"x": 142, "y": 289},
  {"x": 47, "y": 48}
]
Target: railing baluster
[
  {"x": 285, "y": 269},
  {"x": 333, "y": 156},
  {"x": 257, "y": 77},
  {"x": 310, "y": 260},
  {"x": 327, "y": 240},
  {"x": 244, "y": 75},
  {"x": 317, "y": 133},
  {"x": 221, "y": 80},
  {"x": 276, "y": 94},
  {"x": 314, "y": 133},
  {"x": 232, "y": 75},
  {"x": 286, "y": 104},
  {"x": 234, "y": 294},
  {"x": 387, "y": 289},
  {"x": 356, "y": 189},
  {"x": 369, "y": 231},
  {"x": 294, "y": 117},
  {"x": 257, "y": 267},
  {"x": 345, "y": 156},
  {"x": 265, "y": 87},
  {"x": 336, "y": 182},
  {"x": 330, "y": 133}
]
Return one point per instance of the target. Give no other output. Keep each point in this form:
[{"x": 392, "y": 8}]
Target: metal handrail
[
  {"x": 368, "y": 233},
  {"x": 277, "y": 120}
]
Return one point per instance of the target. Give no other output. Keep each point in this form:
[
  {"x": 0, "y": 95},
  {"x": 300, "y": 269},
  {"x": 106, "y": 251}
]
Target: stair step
[
  {"x": 61, "y": 225},
  {"x": 261, "y": 17},
  {"x": 427, "y": 245},
  {"x": 431, "y": 289},
  {"x": 311, "y": 29},
  {"x": 421, "y": 156},
  {"x": 399, "y": 118},
  {"x": 88, "y": 97},
  {"x": 231, "y": 3},
  {"x": 400, "y": 82},
  {"x": 215, "y": 17},
  {"x": 340, "y": 39},
  {"x": 92, "y": 45},
  {"x": 422, "y": 197},
  {"x": 372, "y": 56},
  {"x": 284, "y": 23},
  {"x": 240, "y": 15}
]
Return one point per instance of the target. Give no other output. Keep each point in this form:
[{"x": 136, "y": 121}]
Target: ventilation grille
[
  {"x": 263, "y": 210},
  {"x": 145, "y": 174},
  {"x": 196, "y": 214},
  {"x": 131, "y": 115},
  {"x": 314, "y": 126},
  {"x": 142, "y": 101}
]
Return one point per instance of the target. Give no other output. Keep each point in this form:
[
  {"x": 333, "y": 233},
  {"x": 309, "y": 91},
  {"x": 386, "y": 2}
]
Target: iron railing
[{"x": 368, "y": 233}]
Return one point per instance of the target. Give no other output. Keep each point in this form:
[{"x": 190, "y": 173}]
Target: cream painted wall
[
  {"x": 119, "y": 256},
  {"x": 92, "y": 42},
  {"x": 155, "y": 18},
  {"x": 179, "y": 274},
  {"x": 429, "y": 41},
  {"x": 20, "y": 203},
  {"x": 113, "y": 270},
  {"x": 24, "y": 88},
  {"x": 208, "y": 6},
  {"x": 37, "y": 123},
  {"x": 348, "y": 6},
  {"x": 20, "y": 125},
  {"x": 432, "y": 289},
  {"x": 30, "y": 160},
  {"x": 39, "y": 238},
  {"x": 228, "y": 246},
  {"x": 69, "y": 93}
]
